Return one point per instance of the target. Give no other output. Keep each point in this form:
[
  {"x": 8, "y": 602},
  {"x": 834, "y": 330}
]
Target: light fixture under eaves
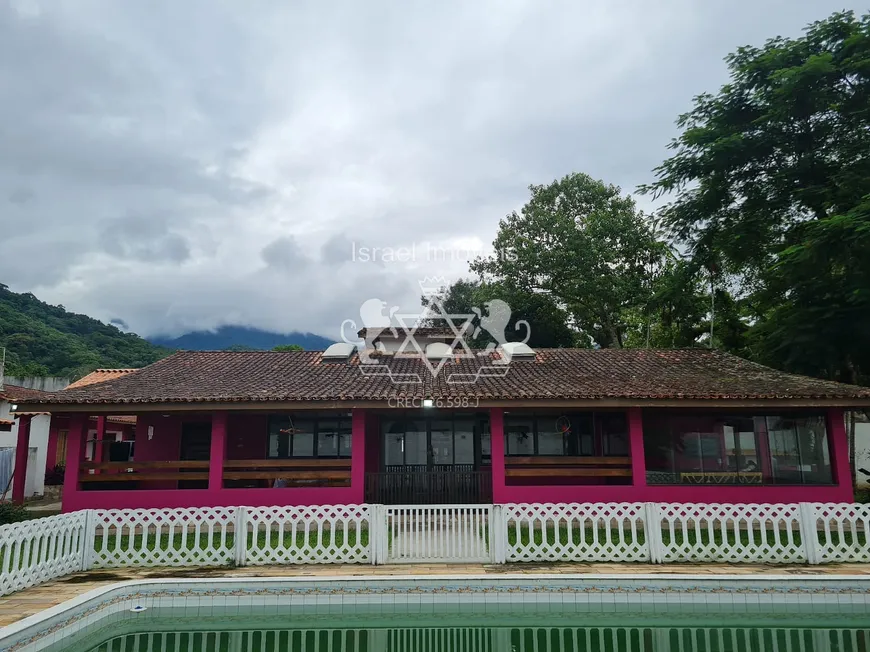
[{"x": 428, "y": 402}]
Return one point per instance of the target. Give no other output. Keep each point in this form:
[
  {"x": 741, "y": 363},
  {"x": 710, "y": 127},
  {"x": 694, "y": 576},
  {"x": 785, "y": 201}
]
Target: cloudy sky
[{"x": 185, "y": 164}]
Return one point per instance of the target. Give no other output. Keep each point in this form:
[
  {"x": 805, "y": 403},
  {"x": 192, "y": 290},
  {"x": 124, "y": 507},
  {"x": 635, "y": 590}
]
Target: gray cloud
[
  {"x": 284, "y": 253},
  {"x": 161, "y": 161}
]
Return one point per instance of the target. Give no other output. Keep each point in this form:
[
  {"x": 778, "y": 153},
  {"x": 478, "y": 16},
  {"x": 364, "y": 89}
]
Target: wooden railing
[
  {"x": 288, "y": 472},
  {"x": 558, "y": 466},
  {"x": 146, "y": 471},
  {"x": 419, "y": 485}
]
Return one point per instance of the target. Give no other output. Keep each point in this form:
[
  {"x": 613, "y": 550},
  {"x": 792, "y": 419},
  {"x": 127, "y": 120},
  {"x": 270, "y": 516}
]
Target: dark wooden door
[{"x": 195, "y": 445}]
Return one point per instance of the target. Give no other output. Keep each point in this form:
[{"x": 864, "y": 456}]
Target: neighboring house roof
[
  {"x": 554, "y": 374},
  {"x": 121, "y": 418},
  {"x": 15, "y": 393},
  {"x": 99, "y": 376}
]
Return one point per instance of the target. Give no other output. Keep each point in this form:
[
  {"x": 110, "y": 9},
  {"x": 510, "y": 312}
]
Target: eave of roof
[{"x": 284, "y": 380}]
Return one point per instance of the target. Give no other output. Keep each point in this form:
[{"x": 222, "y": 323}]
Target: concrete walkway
[{"x": 30, "y": 601}]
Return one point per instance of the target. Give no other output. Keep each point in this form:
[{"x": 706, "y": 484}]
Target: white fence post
[
  {"x": 652, "y": 527},
  {"x": 89, "y": 533},
  {"x": 497, "y": 535},
  {"x": 240, "y": 536},
  {"x": 378, "y": 539},
  {"x": 809, "y": 532}
]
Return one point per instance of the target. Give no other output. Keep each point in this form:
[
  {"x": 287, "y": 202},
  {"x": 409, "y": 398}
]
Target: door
[
  {"x": 195, "y": 445},
  {"x": 433, "y": 459}
]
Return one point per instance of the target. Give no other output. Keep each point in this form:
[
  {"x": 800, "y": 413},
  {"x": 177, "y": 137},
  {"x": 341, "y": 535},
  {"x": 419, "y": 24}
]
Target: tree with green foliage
[
  {"x": 771, "y": 183},
  {"x": 240, "y": 348},
  {"x": 586, "y": 246},
  {"x": 548, "y": 323},
  {"x": 288, "y": 347},
  {"x": 42, "y": 340}
]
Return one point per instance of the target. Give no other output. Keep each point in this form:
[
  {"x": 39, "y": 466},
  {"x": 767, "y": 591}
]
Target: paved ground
[
  {"x": 42, "y": 506},
  {"x": 30, "y": 601}
]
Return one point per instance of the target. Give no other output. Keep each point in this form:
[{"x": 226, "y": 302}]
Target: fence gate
[{"x": 442, "y": 533}]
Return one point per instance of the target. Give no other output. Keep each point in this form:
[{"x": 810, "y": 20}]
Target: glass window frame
[
  {"x": 573, "y": 445},
  {"x": 776, "y": 436},
  {"x": 480, "y": 428},
  {"x": 286, "y": 442}
]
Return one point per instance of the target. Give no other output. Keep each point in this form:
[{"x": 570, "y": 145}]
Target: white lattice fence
[
  {"x": 576, "y": 532},
  {"x": 729, "y": 533},
  {"x": 839, "y": 531},
  {"x": 163, "y": 537},
  {"x": 36, "y": 551},
  {"x": 326, "y": 534},
  {"x": 438, "y": 533}
]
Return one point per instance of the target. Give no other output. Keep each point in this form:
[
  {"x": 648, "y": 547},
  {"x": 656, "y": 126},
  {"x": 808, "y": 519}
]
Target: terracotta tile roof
[
  {"x": 555, "y": 374},
  {"x": 99, "y": 376},
  {"x": 21, "y": 394},
  {"x": 121, "y": 418},
  {"x": 117, "y": 418}
]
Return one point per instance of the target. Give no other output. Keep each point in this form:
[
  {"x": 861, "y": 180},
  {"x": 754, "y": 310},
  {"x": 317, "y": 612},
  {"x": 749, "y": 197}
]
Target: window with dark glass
[
  {"x": 722, "y": 449},
  {"x": 314, "y": 436},
  {"x": 438, "y": 441},
  {"x": 567, "y": 433}
]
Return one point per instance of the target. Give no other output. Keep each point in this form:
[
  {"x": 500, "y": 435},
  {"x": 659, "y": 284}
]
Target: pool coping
[{"x": 15, "y": 635}]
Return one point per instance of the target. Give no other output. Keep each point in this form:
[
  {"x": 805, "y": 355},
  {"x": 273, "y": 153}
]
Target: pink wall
[
  {"x": 640, "y": 492},
  {"x": 164, "y": 445},
  {"x": 245, "y": 436}
]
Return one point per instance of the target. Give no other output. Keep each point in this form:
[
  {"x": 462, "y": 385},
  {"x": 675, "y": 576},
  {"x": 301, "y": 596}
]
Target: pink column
[
  {"x": 358, "y": 455},
  {"x": 635, "y": 435},
  {"x": 75, "y": 453},
  {"x": 22, "y": 447},
  {"x": 496, "y": 429},
  {"x": 840, "y": 468},
  {"x": 98, "y": 439},
  {"x": 218, "y": 451},
  {"x": 51, "y": 447}
]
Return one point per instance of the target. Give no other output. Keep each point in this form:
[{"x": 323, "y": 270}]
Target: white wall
[
  {"x": 42, "y": 383},
  {"x": 862, "y": 454},
  {"x": 39, "y": 427}
]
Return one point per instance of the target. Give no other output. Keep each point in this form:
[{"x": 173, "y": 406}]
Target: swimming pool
[{"x": 503, "y": 613}]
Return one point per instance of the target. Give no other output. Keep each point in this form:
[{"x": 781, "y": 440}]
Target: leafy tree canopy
[
  {"x": 288, "y": 347},
  {"x": 770, "y": 180},
  {"x": 548, "y": 327},
  {"x": 42, "y": 340},
  {"x": 584, "y": 244}
]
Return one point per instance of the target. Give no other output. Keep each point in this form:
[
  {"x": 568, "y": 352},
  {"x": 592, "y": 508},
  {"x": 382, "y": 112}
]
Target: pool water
[{"x": 162, "y": 630}]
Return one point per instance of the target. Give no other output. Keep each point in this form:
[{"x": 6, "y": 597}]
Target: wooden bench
[
  {"x": 328, "y": 472},
  {"x": 559, "y": 466},
  {"x": 151, "y": 470}
]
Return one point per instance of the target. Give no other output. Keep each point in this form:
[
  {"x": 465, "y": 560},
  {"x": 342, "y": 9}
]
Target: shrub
[
  {"x": 12, "y": 513},
  {"x": 54, "y": 477}
]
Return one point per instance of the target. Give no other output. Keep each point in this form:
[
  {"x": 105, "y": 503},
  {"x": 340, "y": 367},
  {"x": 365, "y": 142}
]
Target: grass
[
  {"x": 577, "y": 536},
  {"x": 178, "y": 542}
]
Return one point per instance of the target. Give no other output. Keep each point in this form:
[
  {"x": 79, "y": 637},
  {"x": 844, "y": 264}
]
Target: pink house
[{"x": 555, "y": 425}]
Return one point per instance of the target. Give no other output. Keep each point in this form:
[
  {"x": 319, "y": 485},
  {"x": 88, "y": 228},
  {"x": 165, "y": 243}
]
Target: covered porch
[{"x": 231, "y": 457}]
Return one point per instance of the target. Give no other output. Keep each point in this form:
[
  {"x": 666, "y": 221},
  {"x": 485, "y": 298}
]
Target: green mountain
[{"x": 45, "y": 340}]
